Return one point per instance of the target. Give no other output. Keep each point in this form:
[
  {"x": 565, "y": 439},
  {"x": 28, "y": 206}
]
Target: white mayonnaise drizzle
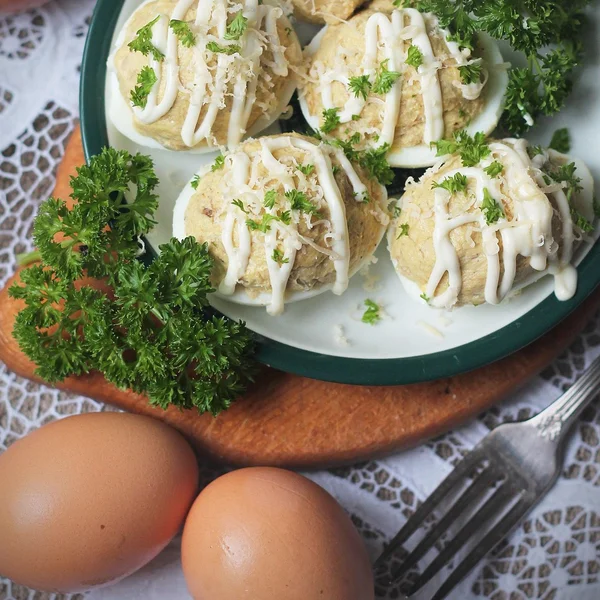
[
  {"x": 390, "y": 33},
  {"x": 211, "y": 15},
  {"x": 529, "y": 232},
  {"x": 279, "y": 233}
]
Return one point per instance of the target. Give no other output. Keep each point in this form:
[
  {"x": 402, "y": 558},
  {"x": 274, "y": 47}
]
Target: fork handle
[{"x": 554, "y": 422}]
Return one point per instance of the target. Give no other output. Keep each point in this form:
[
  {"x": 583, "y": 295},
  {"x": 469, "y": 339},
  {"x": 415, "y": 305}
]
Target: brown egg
[
  {"x": 90, "y": 499},
  {"x": 269, "y": 534}
]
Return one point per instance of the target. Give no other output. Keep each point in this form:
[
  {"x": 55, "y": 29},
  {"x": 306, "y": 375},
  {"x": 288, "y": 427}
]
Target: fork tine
[
  {"x": 491, "y": 507},
  {"x": 479, "y": 486},
  {"x": 500, "y": 531},
  {"x": 416, "y": 521}
]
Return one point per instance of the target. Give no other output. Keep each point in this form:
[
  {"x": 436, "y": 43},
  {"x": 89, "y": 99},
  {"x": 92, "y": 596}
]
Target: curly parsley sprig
[
  {"x": 153, "y": 333},
  {"x": 548, "y": 33}
]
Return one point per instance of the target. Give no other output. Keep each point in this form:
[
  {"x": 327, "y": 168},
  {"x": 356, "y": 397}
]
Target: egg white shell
[
  {"x": 423, "y": 155},
  {"x": 264, "y": 299},
  {"x": 584, "y": 204},
  {"x": 121, "y": 114}
]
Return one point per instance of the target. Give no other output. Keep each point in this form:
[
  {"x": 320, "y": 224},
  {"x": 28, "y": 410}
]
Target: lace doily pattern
[{"x": 555, "y": 554}]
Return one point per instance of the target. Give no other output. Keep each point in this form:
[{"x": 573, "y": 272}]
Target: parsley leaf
[
  {"x": 218, "y": 164},
  {"x": 491, "y": 208},
  {"x": 425, "y": 297},
  {"x": 231, "y": 49},
  {"x": 534, "y": 150},
  {"x": 299, "y": 201},
  {"x": 143, "y": 41},
  {"x": 561, "y": 140},
  {"x": 373, "y": 313},
  {"x": 394, "y": 208},
  {"x": 385, "y": 79},
  {"x": 376, "y": 164},
  {"x": 237, "y": 202},
  {"x": 457, "y": 183},
  {"x": 580, "y": 221},
  {"x": 237, "y": 27},
  {"x": 470, "y": 73},
  {"x": 145, "y": 82},
  {"x": 184, "y": 32},
  {"x": 306, "y": 169},
  {"x": 270, "y": 199},
  {"x": 403, "y": 230},
  {"x": 264, "y": 225},
  {"x": 414, "y": 56},
  {"x": 153, "y": 332},
  {"x": 331, "y": 119},
  {"x": 471, "y": 149},
  {"x": 195, "y": 181},
  {"x": 360, "y": 86},
  {"x": 279, "y": 257},
  {"x": 494, "y": 169}
]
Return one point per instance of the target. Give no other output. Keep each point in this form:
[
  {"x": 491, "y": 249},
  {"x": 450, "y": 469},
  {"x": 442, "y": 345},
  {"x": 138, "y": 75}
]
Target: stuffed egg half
[
  {"x": 199, "y": 74},
  {"x": 396, "y": 79},
  {"x": 285, "y": 218},
  {"x": 476, "y": 229}
]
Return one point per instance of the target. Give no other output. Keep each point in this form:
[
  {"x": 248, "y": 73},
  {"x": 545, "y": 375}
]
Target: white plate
[{"x": 410, "y": 329}]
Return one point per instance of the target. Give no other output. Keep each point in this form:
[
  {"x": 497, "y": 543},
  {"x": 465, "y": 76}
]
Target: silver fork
[{"x": 494, "y": 487}]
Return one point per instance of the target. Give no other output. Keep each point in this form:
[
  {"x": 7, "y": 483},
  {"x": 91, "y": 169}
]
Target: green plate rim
[{"x": 396, "y": 371}]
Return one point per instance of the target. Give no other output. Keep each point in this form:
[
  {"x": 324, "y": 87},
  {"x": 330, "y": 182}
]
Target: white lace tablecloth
[{"x": 554, "y": 555}]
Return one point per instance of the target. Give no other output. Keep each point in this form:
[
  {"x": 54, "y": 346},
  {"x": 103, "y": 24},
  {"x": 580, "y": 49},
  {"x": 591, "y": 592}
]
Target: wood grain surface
[{"x": 292, "y": 421}]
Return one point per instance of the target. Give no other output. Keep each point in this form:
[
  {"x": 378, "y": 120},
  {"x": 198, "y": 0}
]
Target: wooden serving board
[{"x": 292, "y": 421}]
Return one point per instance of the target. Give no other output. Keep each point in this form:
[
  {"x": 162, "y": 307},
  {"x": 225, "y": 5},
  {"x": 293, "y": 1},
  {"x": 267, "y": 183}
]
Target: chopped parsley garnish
[
  {"x": 561, "y": 140},
  {"x": 143, "y": 41},
  {"x": 270, "y": 199},
  {"x": 425, "y": 297},
  {"x": 356, "y": 117},
  {"x": 331, "y": 119},
  {"x": 152, "y": 332},
  {"x": 566, "y": 174},
  {"x": 231, "y": 49},
  {"x": 491, "y": 209},
  {"x": 286, "y": 217},
  {"x": 394, "y": 209},
  {"x": 376, "y": 164},
  {"x": 471, "y": 149},
  {"x": 264, "y": 225},
  {"x": 279, "y": 257},
  {"x": 457, "y": 183},
  {"x": 403, "y": 230},
  {"x": 146, "y": 80},
  {"x": 373, "y": 313},
  {"x": 385, "y": 79},
  {"x": 470, "y": 73},
  {"x": 306, "y": 169},
  {"x": 237, "y": 27},
  {"x": 240, "y": 205},
  {"x": 299, "y": 201},
  {"x": 218, "y": 164},
  {"x": 534, "y": 151},
  {"x": 580, "y": 221},
  {"x": 414, "y": 56},
  {"x": 195, "y": 181},
  {"x": 183, "y": 32},
  {"x": 494, "y": 169},
  {"x": 360, "y": 86},
  {"x": 348, "y": 146}
]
